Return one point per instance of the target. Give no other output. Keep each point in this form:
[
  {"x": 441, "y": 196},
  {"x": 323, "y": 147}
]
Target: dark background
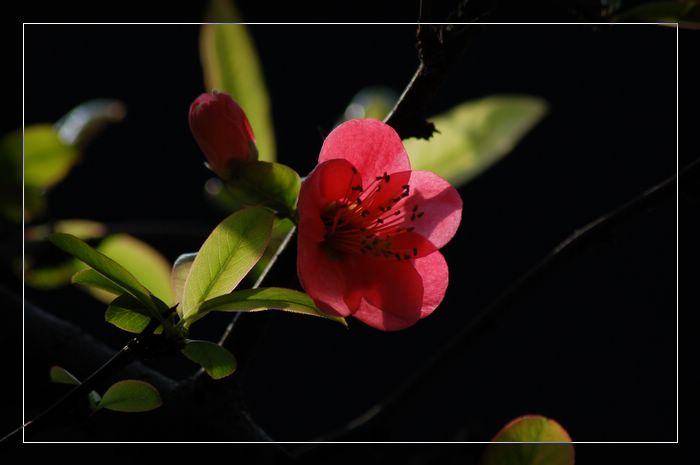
[{"x": 592, "y": 344}]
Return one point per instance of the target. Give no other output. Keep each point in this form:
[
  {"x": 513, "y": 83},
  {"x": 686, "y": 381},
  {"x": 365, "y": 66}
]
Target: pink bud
[{"x": 222, "y": 131}]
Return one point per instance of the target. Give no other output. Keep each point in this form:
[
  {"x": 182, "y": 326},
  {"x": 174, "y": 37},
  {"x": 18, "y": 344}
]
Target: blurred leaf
[
  {"x": 474, "y": 135},
  {"x": 371, "y": 102},
  {"x": 227, "y": 255},
  {"x": 231, "y": 64},
  {"x": 126, "y": 313},
  {"x": 282, "y": 231},
  {"x": 47, "y": 159},
  {"x": 530, "y": 429},
  {"x": 48, "y": 277},
  {"x": 145, "y": 263},
  {"x": 216, "y": 360},
  {"x": 270, "y": 298},
  {"x": 62, "y": 376},
  {"x": 180, "y": 272},
  {"x": 130, "y": 395},
  {"x": 684, "y": 12},
  {"x": 106, "y": 267},
  {"x": 82, "y": 229},
  {"x": 91, "y": 279},
  {"x": 83, "y": 122}
]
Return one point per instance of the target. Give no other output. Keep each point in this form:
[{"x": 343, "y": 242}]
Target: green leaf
[
  {"x": 270, "y": 298},
  {"x": 474, "y": 135},
  {"x": 90, "y": 278},
  {"x": 230, "y": 64},
  {"x": 61, "y": 375},
  {"x": 258, "y": 183},
  {"x": 227, "y": 255},
  {"x": 282, "y": 232},
  {"x": 180, "y": 272},
  {"x": 216, "y": 360},
  {"x": 127, "y": 314},
  {"x": 269, "y": 184},
  {"x": 532, "y": 429},
  {"x": 106, "y": 267},
  {"x": 86, "y": 120},
  {"x": 130, "y": 395},
  {"x": 145, "y": 263},
  {"x": 47, "y": 159}
]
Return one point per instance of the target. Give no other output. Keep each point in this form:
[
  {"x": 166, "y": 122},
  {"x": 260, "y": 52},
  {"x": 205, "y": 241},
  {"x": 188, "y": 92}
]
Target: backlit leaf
[
  {"x": 61, "y": 375},
  {"x": 474, "y": 135},
  {"x": 532, "y": 429},
  {"x": 106, "y": 267},
  {"x": 214, "y": 359},
  {"x": 147, "y": 265},
  {"x": 227, "y": 255},
  {"x": 127, "y": 314},
  {"x": 130, "y": 395},
  {"x": 180, "y": 272},
  {"x": 271, "y": 298}
]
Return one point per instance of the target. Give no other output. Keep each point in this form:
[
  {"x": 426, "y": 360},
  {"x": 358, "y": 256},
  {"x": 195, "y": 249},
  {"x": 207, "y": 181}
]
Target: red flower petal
[
  {"x": 393, "y": 286},
  {"x": 322, "y": 276},
  {"x": 371, "y": 146},
  {"x": 433, "y": 270},
  {"x": 434, "y": 273},
  {"x": 440, "y": 202}
]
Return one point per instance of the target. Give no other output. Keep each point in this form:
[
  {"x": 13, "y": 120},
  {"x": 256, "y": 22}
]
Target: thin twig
[{"x": 438, "y": 46}]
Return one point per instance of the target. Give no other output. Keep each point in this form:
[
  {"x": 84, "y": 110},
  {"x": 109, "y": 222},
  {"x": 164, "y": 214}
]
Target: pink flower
[
  {"x": 370, "y": 229},
  {"x": 222, "y": 131}
]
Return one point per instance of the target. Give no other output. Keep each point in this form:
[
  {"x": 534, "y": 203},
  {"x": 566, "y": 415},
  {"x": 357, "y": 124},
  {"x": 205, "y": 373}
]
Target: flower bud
[{"x": 222, "y": 131}]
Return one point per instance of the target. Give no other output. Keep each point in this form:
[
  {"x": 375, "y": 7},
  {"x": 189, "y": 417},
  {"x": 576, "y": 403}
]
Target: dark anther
[
  {"x": 397, "y": 212},
  {"x": 386, "y": 177},
  {"x": 406, "y": 186},
  {"x": 359, "y": 201},
  {"x": 415, "y": 208},
  {"x": 365, "y": 213},
  {"x": 410, "y": 229},
  {"x": 382, "y": 209},
  {"x": 406, "y": 256},
  {"x": 415, "y": 251},
  {"x": 357, "y": 188},
  {"x": 380, "y": 221},
  {"x": 398, "y": 257},
  {"x": 420, "y": 215},
  {"x": 354, "y": 170}
]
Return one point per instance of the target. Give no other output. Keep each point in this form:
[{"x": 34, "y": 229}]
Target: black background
[{"x": 591, "y": 345}]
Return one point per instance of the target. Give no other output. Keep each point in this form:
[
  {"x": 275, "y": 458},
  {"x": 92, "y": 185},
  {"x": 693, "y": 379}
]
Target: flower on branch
[
  {"x": 222, "y": 131},
  {"x": 370, "y": 229}
]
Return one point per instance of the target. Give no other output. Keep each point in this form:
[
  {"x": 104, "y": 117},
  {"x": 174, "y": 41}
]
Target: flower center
[{"x": 374, "y": 219}]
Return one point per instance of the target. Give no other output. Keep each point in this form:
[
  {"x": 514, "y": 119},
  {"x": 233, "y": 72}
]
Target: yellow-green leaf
[
  {"x": 270, "y": 298},
  {"x": 214, "y": 359},
  {"x": 227, "y": 255},
  {"x": 144, "y": 262},
  {"x": 130, "y": 395},
  {"x": 474, "y": 135}
]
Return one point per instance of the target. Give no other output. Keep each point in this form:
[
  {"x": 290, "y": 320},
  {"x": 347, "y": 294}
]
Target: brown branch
[{"x": 438, "y": 46}]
